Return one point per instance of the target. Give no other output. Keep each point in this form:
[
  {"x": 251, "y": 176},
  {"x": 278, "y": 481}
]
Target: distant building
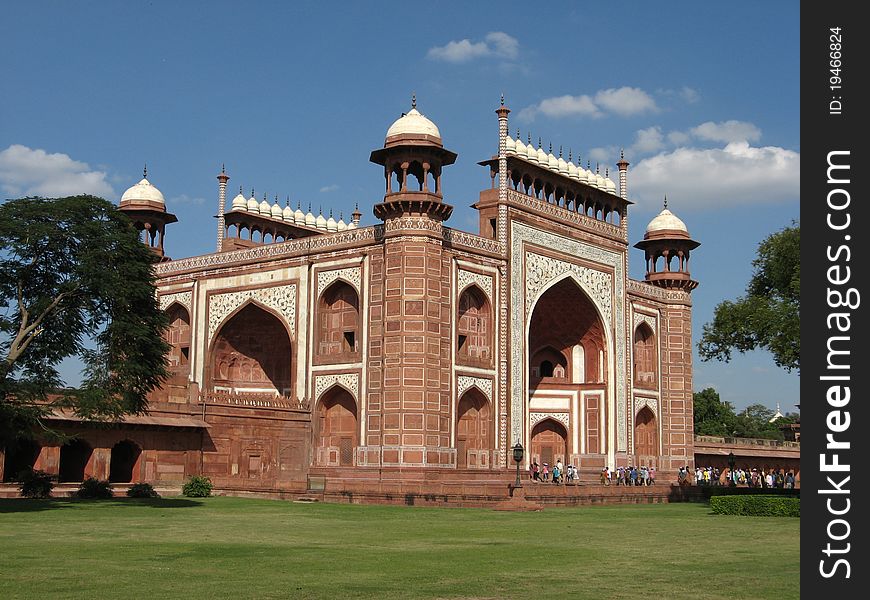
[{"x": 314, "y": 349}]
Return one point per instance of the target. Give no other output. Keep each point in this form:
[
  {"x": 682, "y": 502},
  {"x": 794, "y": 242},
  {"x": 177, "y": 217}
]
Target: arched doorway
[
  {"x": 549, "y": 442},
  {"x": 74, "y": 459},
  {"x": 646, "y": 444},
  {"x": 178, "y": 334},
  {"x": 336, "y": 429},
  {"x": 252, "y": 353},
  {"x": 644, "y": 357},
  {"x": 20, "y": 456},
  {"x": 338, "y": 321},
  {"x": 474, "y": 328},
  {"x": 473, "y": 431},
  {"x": 123, "y": 463}
]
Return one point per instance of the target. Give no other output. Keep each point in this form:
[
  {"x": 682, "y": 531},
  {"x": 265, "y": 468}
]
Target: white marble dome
[
  {"x": 666, "y": 221},
  {"x": 413, "y": 123},
  {"x": 239, "y": 202},
  {"x": 143, "y": 192}
]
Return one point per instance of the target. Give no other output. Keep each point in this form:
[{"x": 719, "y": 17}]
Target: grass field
[{"x": 242, "y": 548}]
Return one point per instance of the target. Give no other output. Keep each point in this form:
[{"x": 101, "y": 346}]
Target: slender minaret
[
  {"x": 222, "y": 202},
  {"x": 623, "y": 175},
  {"x": 502, "y": 111}
]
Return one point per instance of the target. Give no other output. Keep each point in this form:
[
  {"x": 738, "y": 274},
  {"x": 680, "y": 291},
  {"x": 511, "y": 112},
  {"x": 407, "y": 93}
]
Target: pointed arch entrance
[
  {"x": 336, "y": 428},
  {"x": 549, "y": 442},
  {"x": 474, "y": 430},
  {"x": 646, "y": 443},
  {"x": 20, "y": 456},
  {"x": 252, "y": 353}
]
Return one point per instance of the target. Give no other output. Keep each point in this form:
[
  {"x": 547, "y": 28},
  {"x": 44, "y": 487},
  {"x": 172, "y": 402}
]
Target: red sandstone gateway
[{"x": 404, "y": 359}]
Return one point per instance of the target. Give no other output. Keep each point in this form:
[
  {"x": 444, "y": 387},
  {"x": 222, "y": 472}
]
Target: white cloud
[
  {"x": 626, "y": 101},
  {"x": 496, "y": 44},
  {"x": 678, "y": 138},
  {"x": 648, "y": 140},
  {"x": 328, "y": 188},
  {"x": 738, "y": 174},
  {"x": 34, "y": 172},
  {"x": 689, "y": 95},
  {"x": 727, "y": 131},
  {"x": 603, "y": 155}
]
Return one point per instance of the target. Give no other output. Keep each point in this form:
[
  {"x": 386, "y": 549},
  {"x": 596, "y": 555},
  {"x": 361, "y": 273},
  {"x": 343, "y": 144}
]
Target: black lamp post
[
  {"x": 518, "y": 458},
  {"x": 731, "y": 468}
]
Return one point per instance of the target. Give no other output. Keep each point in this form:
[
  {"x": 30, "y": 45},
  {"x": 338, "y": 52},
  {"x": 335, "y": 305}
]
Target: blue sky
[{"x": 292, "y": 97}]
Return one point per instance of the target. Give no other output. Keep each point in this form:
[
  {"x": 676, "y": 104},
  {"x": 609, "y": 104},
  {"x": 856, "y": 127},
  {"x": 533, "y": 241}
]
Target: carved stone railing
[
  {"x": 254, "y": 400},
  {"x": 587, "y": 222},
  {"x": 736, "y": 441},
  {"x": 651, "y": 291},
  {"x": 472, "y": 242}
]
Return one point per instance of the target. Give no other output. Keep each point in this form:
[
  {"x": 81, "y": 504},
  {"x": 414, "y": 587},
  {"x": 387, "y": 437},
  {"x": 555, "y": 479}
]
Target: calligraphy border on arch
[
  {"x": 484, "y": 282},
  {"x": 465, "y": 382},
  {"x": 327, "y": 277},
  {"x": 280, "y": 298},
  {"x": 183, "y": 298},
  {"x": 521, "y": 233},
  {"x": 350, "y": 381}
]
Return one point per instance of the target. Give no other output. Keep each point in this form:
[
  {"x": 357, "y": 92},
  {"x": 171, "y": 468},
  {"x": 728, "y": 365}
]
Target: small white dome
[
  {"x": 666, "y": 221},
  {"x": 582, "y": 175},
  {"x": 543, "y": 159},
  {"x": 239, "y": 202},
  {"x": 143, "y": 192},
  {"x": 510, "y": 145},
  {"x": 413, "y": 123},
  {"x": 572, "y": 170},
  {"x": 287, "y": 213},
  {"x": 341, "y": 225},
  {"x": 553, "y": 162},
  {"x": 331, "y": 225},
  {"x": 351, "y": 225},
  {"x": 277, "y": 213},
  {"x": 299, "y": 216},
  {"x": 320, "y": 222},
  {"x": 265, "y": 209},
  {"x": 562, "y": 166},
  {"x": 610, "y": 185},
  {"x": 253, "y": 205},
  {"x": 531, "y": 153},
  {"x": 520, "y": 147},
  {"x": 310, "y": 219}
]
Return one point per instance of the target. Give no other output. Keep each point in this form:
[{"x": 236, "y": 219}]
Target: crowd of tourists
[
  {"x": 621, "y": 476},
  {"x": 758, "y": 478}
]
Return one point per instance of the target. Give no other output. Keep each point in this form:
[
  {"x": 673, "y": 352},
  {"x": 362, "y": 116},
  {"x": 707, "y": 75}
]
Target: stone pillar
[{"x": 222, "y": 202}]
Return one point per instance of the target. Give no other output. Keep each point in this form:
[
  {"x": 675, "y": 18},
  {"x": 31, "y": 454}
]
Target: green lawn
[{"x": 243, "y": 548}]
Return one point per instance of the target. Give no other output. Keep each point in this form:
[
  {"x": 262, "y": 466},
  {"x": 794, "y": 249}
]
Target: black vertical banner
[{"x": 834, "y": 245}]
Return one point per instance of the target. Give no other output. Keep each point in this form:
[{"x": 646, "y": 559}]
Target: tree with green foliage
[
  {"x": 768, "y": 316},
  {"x": 712, "y": 415},
  {"x": 75, "y": 281}
]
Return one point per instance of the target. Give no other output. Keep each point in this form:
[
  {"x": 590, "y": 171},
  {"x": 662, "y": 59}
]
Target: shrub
[
  {"x": 94, "y": 488},
  {"x": 142, "y": 490},
  {"x": 197, "y": 486},
  {"x": 756, "y": 506},
  {"x": 35, "y": 484}
]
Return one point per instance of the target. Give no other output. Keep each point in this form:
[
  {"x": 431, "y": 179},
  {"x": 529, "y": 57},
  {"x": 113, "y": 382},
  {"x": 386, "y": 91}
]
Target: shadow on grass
[{"x": 24, "y": 505}]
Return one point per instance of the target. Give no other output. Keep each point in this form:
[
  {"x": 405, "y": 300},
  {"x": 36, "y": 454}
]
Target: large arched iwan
[{"x": 252, "y": 353}]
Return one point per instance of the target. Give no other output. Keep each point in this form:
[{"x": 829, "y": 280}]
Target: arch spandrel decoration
[
  {"x": 350, "y": 381},
  {"x": 639, "y": 318},
  {"x": 522, "y": 234},
  {"x": 484, "y": 282},
  {"x": 350, "y": 274},
  {"x": 281, "y": 299},
  {"x": 183, "y": 298},
  {"x": 465, "y": 382},
  {"x": 541, "y": 270},
  {"x": 640, "y": 402},
  {"x": 537, "y": 417}
]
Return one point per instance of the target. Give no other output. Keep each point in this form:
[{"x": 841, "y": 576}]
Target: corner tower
[
  {"x": 409, "y": 407},
  {"x": 145, "y": 206},
  {"x": 668, "y": 238}
]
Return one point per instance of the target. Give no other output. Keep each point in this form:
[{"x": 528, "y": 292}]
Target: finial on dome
[
  {"x": 551, "y": 147},
  {"x": 529, "y": 138},
  {"x": 502, "y": 99},
  {"x": 588, "y": 165},
  {"x": 560, "y": 151},
  {"x": 330, "y": 213},
  {"x": 539, "y": 142},
  {"x": 223, "y": 168},
  {"x": 252, "y": 192},
  {"x": 240, "y": 189},
  {"x": 288, "y": 200},
  {"x": 569, "y": 154},
  {"x": 666, "y": 201},
  {"x": 518, "y": 133},
  {"x": 607, "y": 172},
  {"x": 145, "y": 172},
  {"x": 413, "y": 100},
  {"x": 621, "y": 153},
  {"x": 598, "y": 168}
]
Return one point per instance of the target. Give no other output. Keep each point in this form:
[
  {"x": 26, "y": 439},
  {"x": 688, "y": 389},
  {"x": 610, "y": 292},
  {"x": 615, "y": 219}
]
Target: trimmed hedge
[
  {"x": 197, "y": 486},
  {"x": 756, "y": 506}
]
